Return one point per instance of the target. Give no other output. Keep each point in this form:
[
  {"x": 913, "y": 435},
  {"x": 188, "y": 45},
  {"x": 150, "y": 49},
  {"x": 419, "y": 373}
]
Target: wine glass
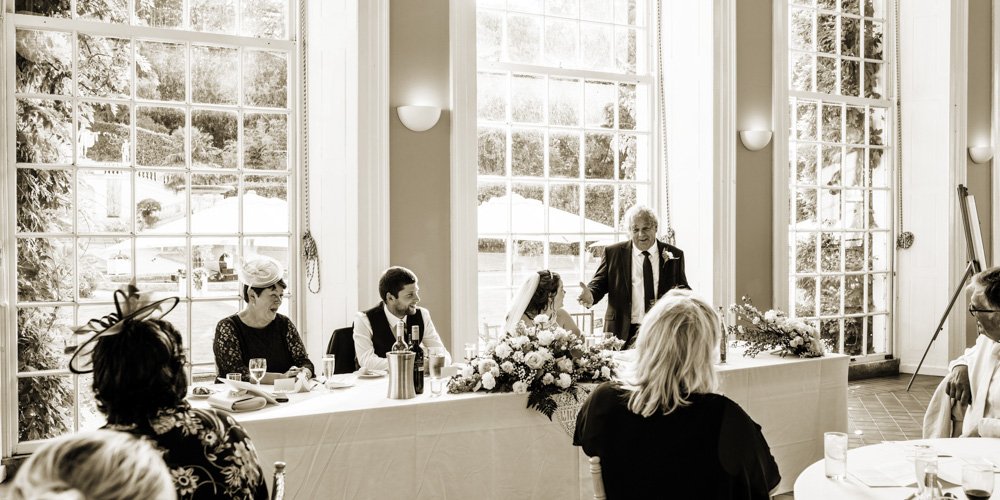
[
  {"x": 258, "y": 366},
  {"x": 977, "y": 480}
]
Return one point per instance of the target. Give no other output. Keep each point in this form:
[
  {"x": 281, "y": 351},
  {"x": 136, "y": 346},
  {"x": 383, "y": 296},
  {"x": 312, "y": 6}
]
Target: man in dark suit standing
[{"x": 634, "y": 274}]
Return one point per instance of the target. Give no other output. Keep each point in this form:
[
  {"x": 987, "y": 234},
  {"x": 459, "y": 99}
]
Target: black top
[
  {"x": 708, "y": 449},
  {"x": 382, "y": 335},
  {"x": 208, "y": 452},
  {"x": 279, "y": 342}
]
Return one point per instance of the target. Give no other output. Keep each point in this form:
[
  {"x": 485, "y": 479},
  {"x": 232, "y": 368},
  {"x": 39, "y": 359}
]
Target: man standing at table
[
  {"x": 374, "y": 329},
  {"x": 634, "y": 274},
  {"x": 974, "y": 379}
]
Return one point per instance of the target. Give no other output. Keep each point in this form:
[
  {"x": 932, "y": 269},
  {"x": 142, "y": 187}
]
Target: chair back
[
  {"x": 585, "y": 321},
  {"x": 595, "y": 474},
  {"x": 278, "y": 484},
  {"x": 342, "y": 347},
  {"x": 489, "y": 332}
]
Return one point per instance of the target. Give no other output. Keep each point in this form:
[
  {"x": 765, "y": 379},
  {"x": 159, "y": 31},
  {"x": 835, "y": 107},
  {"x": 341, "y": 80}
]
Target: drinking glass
[
  {"x": 435, "y": 360},
  {"x": 258, "y": 367},
  {"x": 835, "y": 452},
  {"x": 235, "y": 376},
  {"x": 329, "y": 366},
  {"x": 923, "y": 458},
  {"x": 977, "y": 480},
  {"x": 437, "y": 385}
]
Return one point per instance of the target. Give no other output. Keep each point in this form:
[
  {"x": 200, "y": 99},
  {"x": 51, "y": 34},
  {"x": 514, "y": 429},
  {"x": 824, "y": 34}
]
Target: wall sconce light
[
  {"x": 981, "y": 154},
  {"x": 418, "y": 118},
  {"x": 755, "y": 140}
]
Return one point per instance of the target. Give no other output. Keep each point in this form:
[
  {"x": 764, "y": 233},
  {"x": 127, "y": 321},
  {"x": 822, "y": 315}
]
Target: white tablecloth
[
  {"x": 356, "y": 443},
  {"x": 813, "y": 483}
]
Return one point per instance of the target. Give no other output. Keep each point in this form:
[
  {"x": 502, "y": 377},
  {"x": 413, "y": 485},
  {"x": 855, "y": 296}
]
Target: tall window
[
  {"x": 152, "y": 144},
  {"x": 840, "y": 171},
  {"x": 564, "y": 121}
]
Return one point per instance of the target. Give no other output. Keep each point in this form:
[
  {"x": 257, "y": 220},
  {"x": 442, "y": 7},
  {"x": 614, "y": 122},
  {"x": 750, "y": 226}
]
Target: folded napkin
[{"x": 226, "y": 400}]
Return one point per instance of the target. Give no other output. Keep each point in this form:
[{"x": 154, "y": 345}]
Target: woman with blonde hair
[
  {"x": 99, "y": 464},
  {"x": 668, "y": 432}
]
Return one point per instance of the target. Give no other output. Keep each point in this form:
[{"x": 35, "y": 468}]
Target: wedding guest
[
  {"x": 139, "y": 383},
  {"x": 97, "y": 464},
  {"x": 974, "y": 379},
  {"x": 541, "y": 293},
  {"x": 259, "y": 331},
  {"x": 634, "y": 274},
  {"x": 374, "y": 329},
  {"x": 669, "y": 430}
]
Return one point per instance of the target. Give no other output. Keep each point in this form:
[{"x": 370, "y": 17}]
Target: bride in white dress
[{"x": 541, "y": 293}]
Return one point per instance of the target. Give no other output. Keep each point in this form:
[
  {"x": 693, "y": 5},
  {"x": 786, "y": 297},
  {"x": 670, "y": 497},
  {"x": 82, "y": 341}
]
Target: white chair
[
  {"x": 585, "y": 321},
  {"x": 595, "y": 474}
]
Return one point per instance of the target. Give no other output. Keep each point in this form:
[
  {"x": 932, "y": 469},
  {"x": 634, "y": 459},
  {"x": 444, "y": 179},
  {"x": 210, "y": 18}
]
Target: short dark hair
[
  {"x": 548, "y": 287},
  {"x": 394, "y": 279},
  {"x": 990, "y": 280},
  {"x": 139, "y": 371},
  {"x": 257, "y": 290}
]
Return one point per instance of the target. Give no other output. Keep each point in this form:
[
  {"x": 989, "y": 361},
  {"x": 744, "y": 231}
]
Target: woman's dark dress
[
  {"x": 708, "y": 449},
  {"x": 279, "y": 342}
]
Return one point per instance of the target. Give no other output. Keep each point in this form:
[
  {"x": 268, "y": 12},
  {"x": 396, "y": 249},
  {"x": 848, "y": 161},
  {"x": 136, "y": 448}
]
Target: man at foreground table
[
  {"x": 974, "y": 378},
  {"x": 373, "y": 329}
]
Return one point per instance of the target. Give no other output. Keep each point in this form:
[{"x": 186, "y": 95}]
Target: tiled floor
[{"x": 880, "y": 409}]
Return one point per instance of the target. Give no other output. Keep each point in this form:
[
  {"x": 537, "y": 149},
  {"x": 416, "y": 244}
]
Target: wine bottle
[
  {"x": 278, "y": 485},
  {"x": 418, "y": 360},
  {"x": 400, "y": 344}
]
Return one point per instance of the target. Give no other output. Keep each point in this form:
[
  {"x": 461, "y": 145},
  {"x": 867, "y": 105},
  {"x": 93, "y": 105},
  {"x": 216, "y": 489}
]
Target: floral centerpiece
[
  {"x": 773, "y": 329},
  {"x": 540, "y": 359}
]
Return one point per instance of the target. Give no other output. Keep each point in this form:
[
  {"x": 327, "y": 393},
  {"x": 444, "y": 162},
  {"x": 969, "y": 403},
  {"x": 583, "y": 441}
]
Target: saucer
[
  {"x": 192, "y": 395},
  {"x": 372, "y": 374}
]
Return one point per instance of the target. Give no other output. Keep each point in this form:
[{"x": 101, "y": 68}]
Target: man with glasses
[{"x": 974, "y": 379}]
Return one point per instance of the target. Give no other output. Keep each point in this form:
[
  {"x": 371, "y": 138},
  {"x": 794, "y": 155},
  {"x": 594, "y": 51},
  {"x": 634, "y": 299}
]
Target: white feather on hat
[{"x": 260, "y": 272}]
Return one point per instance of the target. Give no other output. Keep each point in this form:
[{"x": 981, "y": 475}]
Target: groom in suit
[{"x": 634, "y": 274}]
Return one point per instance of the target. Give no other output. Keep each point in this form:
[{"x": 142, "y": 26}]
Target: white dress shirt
[
  {"x": 366, "y": 350},
  {"x": 638, "y": 295},
  {"x": 982, "y": 359}
]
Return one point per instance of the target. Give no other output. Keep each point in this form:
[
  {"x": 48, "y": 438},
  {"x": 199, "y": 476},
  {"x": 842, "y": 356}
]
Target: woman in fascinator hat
[
  {"x": 259, "y": 330},
  {"x": 140, "y": 383}
]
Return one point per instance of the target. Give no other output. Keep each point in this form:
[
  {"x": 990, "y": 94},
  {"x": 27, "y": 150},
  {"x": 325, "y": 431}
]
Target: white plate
[
  {"x": 340, "y": 383},
  {"x": 201, "y": 396},
  {"x": 372, "y": 374}
]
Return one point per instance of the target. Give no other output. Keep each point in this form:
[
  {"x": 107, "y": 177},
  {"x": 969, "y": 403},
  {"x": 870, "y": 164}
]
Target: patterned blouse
[
  {"x": 279, "y": 342},
  {"x": 208, "y": 453}
]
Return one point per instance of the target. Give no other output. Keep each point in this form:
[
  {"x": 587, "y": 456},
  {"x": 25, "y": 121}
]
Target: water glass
[
  {"x": 236, "y": 376},
  {"x": 437, "y": 386},
  {"x": 470, "y": 350},
  {"x": 258, "y": 367},
  {"x": 977, "y": 480},
  {"x": 835, "y": 454},
  {"x": 329, "y": 366},
  {"x": 435, "y": 361},
  {"x": 923, "y": 458}
]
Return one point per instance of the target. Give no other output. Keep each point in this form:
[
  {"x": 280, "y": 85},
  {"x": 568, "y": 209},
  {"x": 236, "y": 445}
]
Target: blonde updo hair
[
  {"x": 102, "y": 464},
  {"x": 675, "y": 354}
]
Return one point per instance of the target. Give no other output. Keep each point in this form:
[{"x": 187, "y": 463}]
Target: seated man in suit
[
  {"x": 974, "y": 379},
  {"x": 374, "y": 329},
  {"x": 634, "y": 274}
]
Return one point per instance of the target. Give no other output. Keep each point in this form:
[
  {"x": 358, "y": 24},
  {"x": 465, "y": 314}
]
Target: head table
[
  {"x": 356, "y": 443},
  {"x": 894, "y": 459}
]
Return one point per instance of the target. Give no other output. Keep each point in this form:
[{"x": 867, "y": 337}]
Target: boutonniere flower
[{"x": 667, "y": 255}]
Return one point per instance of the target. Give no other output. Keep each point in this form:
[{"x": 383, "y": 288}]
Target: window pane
[
  {"x": 212, "y": 70},
  {"x": 854, "y": 252},
  {"x": 853, "y": 335},
  {"x": 489, "y": 35},
  {"x": 104, "y": 134},
  {"x": 805, "y": 252},
  {"x": 826, "y": 75},
  {"x": 527, "y": 258},
  {"x": 801, "y": 31},
  {"x": 805, "y": 207},
  {"x": 213, "y": 16},
  {"x": 213, "y": 203},
  {"x": 805, "y": 120},
  {"x": 44, "y": 203},
  {"x": 204, "y": 317},
  {"x": 524, "y": 37},
  {"x": 160, "y": 201},
  {"x": 561, "y": 38},
  {"x": 104, "y": 198},
  {"x": 213, "y": 139},
  {"x": 830, "y": 293},
  {"x": 160, "y": 71},
  {"x": 52, "y": 279},
  {"x": 265, "y": 79},
  {"x": 115, "y": 11},
  {"x": 564, "y": 258},
  {"x": 160, "y": 14},
  {"x": 527, "y": 98},
  {"x": 564, "y": 8},
  {"x": 801, "y": 73},
  {"x": 850, "y": 39},
  {"x": 492, "y": 151},
  {"x": 159, "y": 135},
  {"x": 597, "y": 10},
  {"x": 850, "y": 78},
  {"x": 527, "y": 154},
  {"x": 599, "y": 162},
  {"x": 44, "y": 62},
  {"x": 805, "y": 297},
  {"x": 43, "y": 8},
  {"x": 599, "y": 104},
  {"x": 44, "y": 131},
  {"x": 217, "y": 258},
  {"x": 42, "y": 336},
  {"x": 854, "y": 293},
  {"x": 264, "y": 18},
  {"x": 104, "y": 66},
  {"x": 161, "y": 265},
  {"x": 491, "y": 92},
  {"x": 830, "y": 252},
  {"x": 265, "y": 141},
  {"x": 45, "y": 407},
  {"x": 598, "y": 46},
  {"x": 564, "y": 154},
  {"x": 805, "y": 164},
  {"x": 832, "y": 124},
  {"x": 564, "y": 101},
  {"x": 564, "y": 209},
  {"x": 265, "y": 208},
  {"x": 599, "y": 204}
]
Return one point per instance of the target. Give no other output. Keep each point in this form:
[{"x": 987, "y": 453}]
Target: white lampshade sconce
[
  {"x": 981, "y": 154},
  {"x": 418, "y": 118},
  {"x": 755, "y": 140}
]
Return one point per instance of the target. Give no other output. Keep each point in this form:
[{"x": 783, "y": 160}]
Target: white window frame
[
  {"x": 8, "y": 340},
  {"x": 782, "y": 196}
]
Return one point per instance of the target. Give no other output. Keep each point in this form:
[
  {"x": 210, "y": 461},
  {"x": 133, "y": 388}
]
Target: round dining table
[{"x": 872, "y": 470}]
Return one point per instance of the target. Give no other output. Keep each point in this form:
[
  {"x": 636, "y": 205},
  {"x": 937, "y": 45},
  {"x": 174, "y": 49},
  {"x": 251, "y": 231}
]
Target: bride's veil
[{"x": 521, "y": 301}]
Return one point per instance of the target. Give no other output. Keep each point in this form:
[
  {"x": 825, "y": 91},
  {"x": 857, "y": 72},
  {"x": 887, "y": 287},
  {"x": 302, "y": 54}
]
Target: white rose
[
  {"x": 518, "y": 357},
  {"x": 486, "y": 365},
  {"x": 503, "y": 350},
  {"x": 565, "y": 365},
  {"x": 797, "y": 341},
  {"x": 534, "y": 360},
  {"x": 548, "y": 379},
  {"x": 488, "y": 381},
  {"x": 560, "y": 334},
  {"x": 545, "y": 337},
  {"x": 507, "y": 367},
  {"x": 741, "y": 329},
  {"x": 770, "y": 316},
  {"x": 520, "y": 387},
  {"x": 564, "y": 380},
  {"x": 755, "y": 320},
  {"x": 605, "y": 372},
  {"x": 467, "y": 371},
  {"x": 541, "y": 318},
  {"x": 546, "y": 353}
]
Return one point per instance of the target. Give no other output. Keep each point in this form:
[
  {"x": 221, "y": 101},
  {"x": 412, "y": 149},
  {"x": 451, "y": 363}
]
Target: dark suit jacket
[{"x": 614, "y": 279}]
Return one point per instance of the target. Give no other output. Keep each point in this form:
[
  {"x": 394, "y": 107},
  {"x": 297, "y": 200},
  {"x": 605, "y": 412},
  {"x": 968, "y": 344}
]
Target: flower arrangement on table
[
  {"x": 773, "y": 329},
  {"x": 540, "y": 359}
]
